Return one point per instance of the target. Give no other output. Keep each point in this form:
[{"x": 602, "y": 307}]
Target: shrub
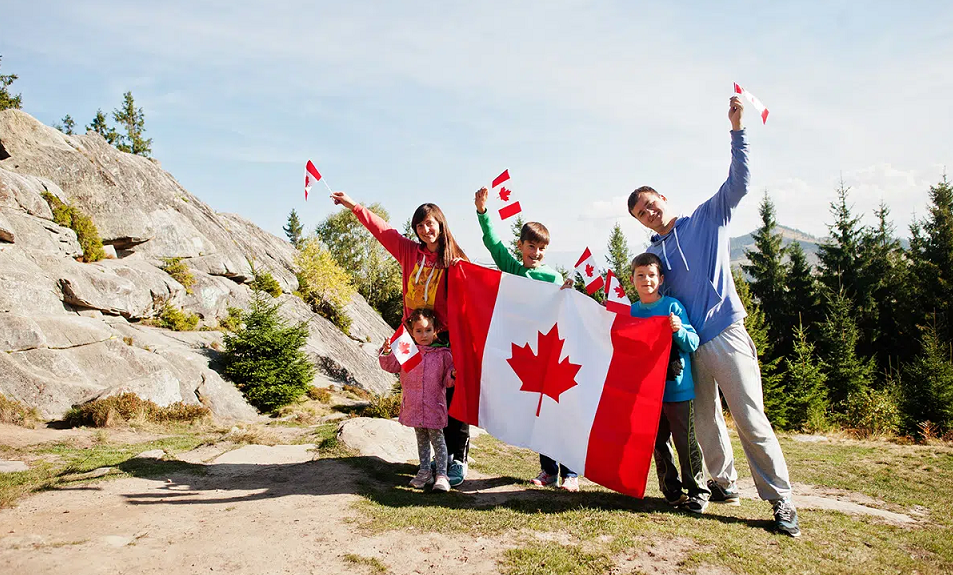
[
  {"x": 265, "y": 282},
  {"x": 872, "y": 412},
  {"x": 323, "y": 284},
  {"x": 232, "y": 321},
  {"x": 319, "y": 394},
  {"x": 14, "y": 412},
  {"x": 384, "y": 406},
  {"x": 180, "y": 272},
  {"x": 264, "y": 357},
  {"x": 176, "y": 319},
  {"x": 127, "y": 407},
  {"x": 68, "y": 215},
  {"x": 360, "y": 392}
]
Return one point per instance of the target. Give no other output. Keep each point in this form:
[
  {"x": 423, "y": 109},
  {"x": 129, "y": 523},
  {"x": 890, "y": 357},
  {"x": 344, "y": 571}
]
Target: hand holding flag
[{"x": 762, "y": 110}]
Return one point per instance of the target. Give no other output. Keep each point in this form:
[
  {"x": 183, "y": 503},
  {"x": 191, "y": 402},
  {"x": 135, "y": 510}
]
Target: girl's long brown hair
[{"x": 448, "y": 250}]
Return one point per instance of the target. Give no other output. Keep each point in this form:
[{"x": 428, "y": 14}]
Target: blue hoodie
[{"x": 696, "y": 255}]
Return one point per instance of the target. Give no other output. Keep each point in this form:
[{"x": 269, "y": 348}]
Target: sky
[{"x": 409, "y": 102}]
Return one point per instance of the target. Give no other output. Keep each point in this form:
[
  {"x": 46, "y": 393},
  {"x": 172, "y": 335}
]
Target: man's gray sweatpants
[{"x": 729, "y": 363}]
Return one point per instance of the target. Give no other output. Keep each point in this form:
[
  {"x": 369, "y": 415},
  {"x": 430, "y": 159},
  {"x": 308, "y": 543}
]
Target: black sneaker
[
  {"x": 785, "y": 518},
  {"x": 696, "y": 504},
  {"x": 723, "y": 495}
]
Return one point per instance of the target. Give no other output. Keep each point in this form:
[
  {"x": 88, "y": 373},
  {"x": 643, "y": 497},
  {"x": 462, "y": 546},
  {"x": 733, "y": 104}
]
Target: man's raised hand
[{"x": 735, "y": 111}]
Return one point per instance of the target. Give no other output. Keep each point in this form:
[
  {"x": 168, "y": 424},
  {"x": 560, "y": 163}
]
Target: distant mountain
[{"x": 808, "y": 243}]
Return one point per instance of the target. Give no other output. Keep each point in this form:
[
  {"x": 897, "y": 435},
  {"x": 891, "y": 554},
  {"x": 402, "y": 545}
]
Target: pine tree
[
  {"x": 806, "y": 384},
  {"x": 890, "y": 326},
  {"x": 293, "y": 229},
  {"x": 264, "y": 357},
  {"x": 772, "y": 380},
  {"x": 847, "y": 372},
  {"x": 801, "y": 298},
  {"x": 7, "y": 101},
  {"x": 99, "y": 126},
  {"x": 620, "y": 260},
  {"x": 928, "y": 384},
  {"x": 517, "y": 228},
  {"x": 767, "y": 272},
  {"x": 931, "y": 251},
  {"x": 133, "y": 120},
  {"x": 67, "y": 125},
  {"x": 409, "y": 232}
]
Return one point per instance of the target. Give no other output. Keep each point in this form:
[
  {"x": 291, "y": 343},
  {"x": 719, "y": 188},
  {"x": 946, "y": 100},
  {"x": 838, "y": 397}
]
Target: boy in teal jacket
[
  {"x": 678, "y": 416},
  {"x": 534, "y": 239}
]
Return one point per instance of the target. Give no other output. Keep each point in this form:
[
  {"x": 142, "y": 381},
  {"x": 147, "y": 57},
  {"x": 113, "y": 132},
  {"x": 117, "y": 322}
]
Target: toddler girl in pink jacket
[{"x": 423, "y": 403}]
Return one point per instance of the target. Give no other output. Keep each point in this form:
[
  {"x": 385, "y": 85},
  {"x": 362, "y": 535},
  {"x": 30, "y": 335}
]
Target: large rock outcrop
[{"x": 71, "y": 331}]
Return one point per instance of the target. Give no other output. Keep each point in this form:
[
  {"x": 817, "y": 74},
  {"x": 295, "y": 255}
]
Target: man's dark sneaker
[
  {"x": 696, "y": 504},
  {"x": 785, "y": 518},
  {"x": 457, "y": 473},
  {"x": 723, "y": 495},
  {"x": 675, "y": 499}
]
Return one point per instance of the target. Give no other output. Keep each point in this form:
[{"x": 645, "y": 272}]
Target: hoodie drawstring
[
  {"x": 680, "y": 252},
  {"x": 420, "y": 268},
  {"x": 665, "y": 257}
]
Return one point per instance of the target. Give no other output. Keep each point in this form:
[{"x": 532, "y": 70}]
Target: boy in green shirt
[{"x": 534, "y": 239}]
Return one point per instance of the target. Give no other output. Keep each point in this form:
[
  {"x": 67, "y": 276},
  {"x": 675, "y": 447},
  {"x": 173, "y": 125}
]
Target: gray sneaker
[
  {"x": 785, "y": 518},
  {"x": 723, "y": 495},
  {"x": 696, "y": 504}
]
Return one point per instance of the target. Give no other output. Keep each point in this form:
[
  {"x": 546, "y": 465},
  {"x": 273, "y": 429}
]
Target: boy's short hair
[
  {"x": 534, "y": 232},
  {"x": 416, "y": 314},
  {"x": 634, "y": 196},
  {"x": 647, "y": 259}
]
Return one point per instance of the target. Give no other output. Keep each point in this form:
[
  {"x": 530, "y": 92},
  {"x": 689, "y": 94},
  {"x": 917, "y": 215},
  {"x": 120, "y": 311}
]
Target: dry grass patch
[
  {"x": 18, "y": 414},
  {"x": 128, "y": 408}
]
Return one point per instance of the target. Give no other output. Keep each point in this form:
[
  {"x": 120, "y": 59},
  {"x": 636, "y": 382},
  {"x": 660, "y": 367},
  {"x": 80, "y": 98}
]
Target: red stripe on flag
[
  {"x": 595, "y": 285},
  {"x": 510, "y": 210},
  {"x": 471, "y": 294},
  {"x": 618, "y": 307},
  {"x": 623, "y": 432},
  {"x": 585, "y": 256},
  {"x": 501, "y": 178},
  {"x": 738, "y": 89},
  {"x": 412, "y": 362},
  {"x": 312, "y": 170}
]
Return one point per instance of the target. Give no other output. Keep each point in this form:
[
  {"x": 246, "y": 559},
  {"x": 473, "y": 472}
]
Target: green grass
[
  {"x": 65, "y": 464},
  {"x": 375, "y": 565},
  {"x": 739, "y": 539}
]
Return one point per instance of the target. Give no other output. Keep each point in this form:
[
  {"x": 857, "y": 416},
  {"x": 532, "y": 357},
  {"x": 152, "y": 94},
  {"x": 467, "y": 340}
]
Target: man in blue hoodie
[{"x": 695, "y": 252}]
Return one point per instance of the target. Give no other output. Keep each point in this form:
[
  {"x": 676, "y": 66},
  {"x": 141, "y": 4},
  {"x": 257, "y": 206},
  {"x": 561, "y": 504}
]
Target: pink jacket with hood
[{"x": 424, "y": 397}]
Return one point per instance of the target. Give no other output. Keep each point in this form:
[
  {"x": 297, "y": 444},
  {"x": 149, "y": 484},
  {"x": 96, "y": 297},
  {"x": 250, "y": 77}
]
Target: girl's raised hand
[
  {"x": 385, "y": 349},
  {"x": 340, "y": 198}
]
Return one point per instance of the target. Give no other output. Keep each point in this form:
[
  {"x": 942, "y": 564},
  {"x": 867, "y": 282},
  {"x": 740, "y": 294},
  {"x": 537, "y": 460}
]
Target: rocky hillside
[{"x": 72, "y": 331}]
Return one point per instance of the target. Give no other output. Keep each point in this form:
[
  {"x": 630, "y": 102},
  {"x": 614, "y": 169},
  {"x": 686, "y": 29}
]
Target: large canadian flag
[{"x": 553, "y": 371}]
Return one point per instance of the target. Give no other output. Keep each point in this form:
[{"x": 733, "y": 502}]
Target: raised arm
[
  {"x": 502, "y": 256},
  {"x": 391, "y": 239},
  {"x": 721, "y": 206},
  {"x": 387, "y": 360}
]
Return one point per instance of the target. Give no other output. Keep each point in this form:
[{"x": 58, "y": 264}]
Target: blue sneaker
[
  {"x": 457, "y": 473},
  {"x": 785, "y": 518},
  {"x": 723, "y": 495}
]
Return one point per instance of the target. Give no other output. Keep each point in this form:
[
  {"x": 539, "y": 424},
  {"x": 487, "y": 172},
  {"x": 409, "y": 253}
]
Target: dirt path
[{"x": 266, "y": 509}]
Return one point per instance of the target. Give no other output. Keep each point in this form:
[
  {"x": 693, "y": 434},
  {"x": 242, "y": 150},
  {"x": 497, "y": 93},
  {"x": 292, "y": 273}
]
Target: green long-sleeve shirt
[{"x": 504, "y": 259}]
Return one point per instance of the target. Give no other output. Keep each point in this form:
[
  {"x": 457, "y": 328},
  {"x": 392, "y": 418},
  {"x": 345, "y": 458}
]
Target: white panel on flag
[{"x": 524, "y": 309}]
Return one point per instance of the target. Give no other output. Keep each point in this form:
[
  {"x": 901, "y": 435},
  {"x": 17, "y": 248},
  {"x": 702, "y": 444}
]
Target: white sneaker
[{"x": 442, "y": 483}]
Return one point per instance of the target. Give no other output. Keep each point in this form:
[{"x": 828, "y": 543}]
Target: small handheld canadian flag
[
  {"x": 754, "y": 102},
  {"x": 504, "y": 195},
  {"x": 591, "y": 274},
  {"x": 311, "y": 175},
  {"x": 616, "y": 299},
  {"x": 404, "y": 349}
]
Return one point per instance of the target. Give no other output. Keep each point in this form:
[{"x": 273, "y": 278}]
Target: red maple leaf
[
  {"x": 543, "y": 372},
  {"x": 619, "y": 292},
  {"x": 505, "y": 194},
  {"x": 403, "y": 348},
  {"x": 589, "y": 270}
]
